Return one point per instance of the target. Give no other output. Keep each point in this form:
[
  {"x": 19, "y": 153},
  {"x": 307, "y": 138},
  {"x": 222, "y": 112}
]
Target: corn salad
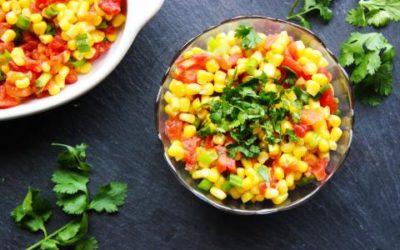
[
  {"x": 252, "y": 116},
  {"x": 44, "y": 44}
]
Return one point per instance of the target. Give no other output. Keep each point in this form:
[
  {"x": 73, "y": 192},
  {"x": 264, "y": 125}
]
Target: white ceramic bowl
[{"x": 139, "y": 13}]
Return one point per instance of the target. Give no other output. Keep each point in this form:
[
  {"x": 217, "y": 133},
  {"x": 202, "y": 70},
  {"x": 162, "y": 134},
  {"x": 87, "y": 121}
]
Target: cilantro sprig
[
  {"x": 370, "y": 58},
  {"x": 71, "y": 178},
  {"x": 243, "y": 107},
  {"x": 249, "y": 36},
  {"x": 377, "y": 13},
  {"x": 309, "y": 6}
]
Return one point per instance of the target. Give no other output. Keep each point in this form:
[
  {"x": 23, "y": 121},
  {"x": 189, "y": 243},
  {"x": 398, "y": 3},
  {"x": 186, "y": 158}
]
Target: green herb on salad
[
  {"x": 377, "y": 13},
  {"x": 249, "y": 36},
  {"x": 309, "y": 6},
  {"x": 70, "y": 179},
  {"x": 370, "y": 57}
]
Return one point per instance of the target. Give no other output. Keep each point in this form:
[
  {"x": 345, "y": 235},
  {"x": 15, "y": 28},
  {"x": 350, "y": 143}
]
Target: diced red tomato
[
  {"x": 41, "y": 4},
  {"x": 208, "y": 142},
  {"x": 101, "y": 48},
  {"x": 57, "y": 45},
  {"x": 293, "y": 65},
  {"x": 110, "y": 6},
  {"x": 33, "y": 65},
  {"x": 292, "y": 49},
  {"x": 5, "y": 100},
  {"x": 310, "y": 116},
  {"x": 15, "y": 92},
  {"x": 225, "y": 163},
  {"x": 301, "y": 129},
  {"x": 328, "y": 100},
  {"x": 229, "y": 62},
  {"x": 173, "y": 128},
  {"x": 190, "y": 146},
  {"x": 72, "y": 77},
  {"x": 317, "y": 165},
  {"x": 262, "y": 187}
]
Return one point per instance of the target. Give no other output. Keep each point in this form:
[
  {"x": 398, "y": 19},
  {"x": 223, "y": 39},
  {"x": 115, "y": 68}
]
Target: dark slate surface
[{"x": 358, "y": 209}]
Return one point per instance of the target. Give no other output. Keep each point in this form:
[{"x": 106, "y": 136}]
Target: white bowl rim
[{"x": 147, "y": 10}]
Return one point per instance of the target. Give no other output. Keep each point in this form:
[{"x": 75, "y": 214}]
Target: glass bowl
[{"x": 342, "y": 89}]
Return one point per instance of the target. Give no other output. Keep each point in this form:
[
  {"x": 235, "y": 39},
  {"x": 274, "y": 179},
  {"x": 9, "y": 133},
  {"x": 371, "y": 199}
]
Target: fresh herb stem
[
  {"x": 291, "y": 15},
  {"x": 294, "y": 5},
  {"x": 47, "y": 237}
]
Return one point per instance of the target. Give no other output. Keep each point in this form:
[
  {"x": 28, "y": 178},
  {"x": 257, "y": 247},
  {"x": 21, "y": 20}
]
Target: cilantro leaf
[
  {"x": 292, "y": 136},
  {"x": 110, "y": 197},
  {"x": 370, "y": 57},
  {"x": 377, "y": 13},
  {"x": 73, "y": 231},
  {"x": 89, "y": 243},
  {"x": 309, "y": 6},
  {"x": 49, "y": 245},
  {"x": 69, "y": 182},
  {"x": 249, "y": 36},
  {"x": 73, "y": 203},
  {"x": 74, "y": 157},
  {"x": 34, "y": 211}
]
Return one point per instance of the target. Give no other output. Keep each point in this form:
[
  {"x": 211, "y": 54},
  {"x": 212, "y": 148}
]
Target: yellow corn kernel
[
  {"x": 287, "y": 147},
  {"x": 202, "y": 173},
  {"x": 36, "y": 18},
  {"x": 323, "y": 146},
  {"x": 247, "y": 197},
  {"x": 280, "y": 199},
  {"x": 118, "y": 20},
  {"x": 184, "y": 104},
  {"x": 18, "y": 56},
  {"x": 332, "y": 145},
  {"x": 196, "y": 104},
  {"x": 59, "y": 80},
  {"x": 262, "y": 157},
  {"x": 168, "y": 97},
  {"x": 112, "y": 37},
  {"x": 219, "y": 139},
  {"x": 277, "y": 48},
  {"x": 234, "y": 192},
  {"x": 269, "y": 69},
  {"x": 189, "y": 131},
  {"x": 320, "y": 78},
  {"x": 273, "y": 149},
  {"x": 212, "y": 66},
  {"x": 22, "y": 83},
  {"x": 285, "y": 160},
  {"x": 257, "y": 56},
  {"x": 219, "y": 88},
  {"x": 72, "y": 45},
  {"x": 54, "y": 89},
  {"x": 302, "y": 166},
  {"x": 213, "y": 175},
  {"x": 219, "y": 182},
  {"x": 336, "y": 133},
  {"x": 64, "y": 24},
  {"x": 218, "y": 193},
  {"x": 39, "y": 28},
  {"x": 170, "y": 111},
  {"x": 45, "y": 39},
  {"x": 240, "y": 172},
  {"x": 219, "y": 77},
  {"x": 299, "y": 151},
  {"x": 313, "y": 55},
  {"x": 24, "y": 3},
  {"x": 189, "y": 118},
  {"x": 46, "y": 66},
  {"x": 290, "y": 180},
  {"x": 176, "y": 150},
  {"x": 334, "y": 120},
  {"x": 204, "y": 77},
  {"x": 235, "y": 50},
  {"x": 286, "y": 125},
  {"x": 310, "y": 68},
  {"x": 11, "y": 18},
  {"x": 270, "y": 87},
  {"x": 84, "y": 69},
  {"x": 64, "y": 71},
  {"x": 8, "y": 36},
  {"x": 246, "y": 163},
  {"x": 202, "y": 114},
  {"x": 177, "y": 88},
  {"x": 282, "y": 187},
  {"x": 83, "y": 8},
  {"x": 6, "y": 6},
  {"x": 192, "y": 89},
  {"x": 312, "y": 87},
  {"x": 323, "y": 63},
  {"x": 5, "y": 68},
  {"x": 279, "y": 173},
  {"x": 207, "y": 89},
  {"x": 197, "y": 50},
  {"x": 188, "y": 54},
  {"x": 97, "y": 36},
  {"x": 271, "y": 193}
]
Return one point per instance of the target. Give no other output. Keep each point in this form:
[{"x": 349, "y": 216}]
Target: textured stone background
[{"x": 358, "y": 209}]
